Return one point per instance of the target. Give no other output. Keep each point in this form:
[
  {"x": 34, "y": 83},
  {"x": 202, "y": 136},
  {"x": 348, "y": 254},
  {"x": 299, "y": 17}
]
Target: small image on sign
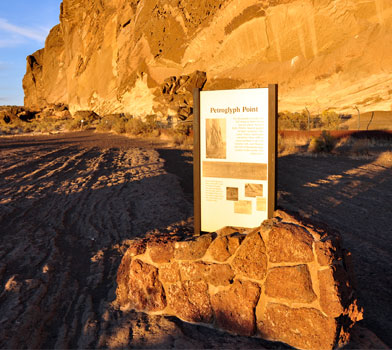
[
  {"x": 253, "y": 190},
  {"x": 232, "y": 193},
  {"x": 261, "y": 204},
  {"x": 216, "y": 138},
  {"x": 243, "y": 207}
]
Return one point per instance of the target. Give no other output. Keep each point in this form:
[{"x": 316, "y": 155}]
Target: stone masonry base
[{"x": 287, "y": 280}]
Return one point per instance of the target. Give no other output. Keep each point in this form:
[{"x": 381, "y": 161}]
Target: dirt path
[
  {"x": 68, "y": 205},
  {"x": 353, "y": 196}
]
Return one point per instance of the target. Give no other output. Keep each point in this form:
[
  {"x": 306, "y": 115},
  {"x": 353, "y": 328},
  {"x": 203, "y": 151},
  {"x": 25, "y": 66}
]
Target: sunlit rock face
[{"x": 113, "y": 56}]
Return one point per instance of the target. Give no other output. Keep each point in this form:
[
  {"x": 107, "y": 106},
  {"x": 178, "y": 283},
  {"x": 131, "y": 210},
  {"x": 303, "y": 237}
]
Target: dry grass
[
  {"x": 150, "y": 127},
  {"x": 292, "y": 145},
  {"x": 117, "y": 123},
  {"x": 357, "y": 146},
  {"x": 42, "y": 125}
]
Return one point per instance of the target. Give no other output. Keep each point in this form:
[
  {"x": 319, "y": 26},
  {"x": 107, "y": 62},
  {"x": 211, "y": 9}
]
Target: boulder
[
  {"x": 224, "y": 247},
  {"x": 26, "y": 115},
  {"x": 192, "y": 248},
  {"x": 292, "y": 283},
  {"x": 11, "y": 113},
  {"x": 234, "y": 308},
  {"x": 176, "y": 95},
  {"x": 290, "y": 243},
  {"x": 190, "y": 301},
  {"x": 214, "y": 274},
  {"x": 328, "y": 251},
  {"x": 334, "y": 290},
  {"x": 303, "y": 328},
  {"x": 146, "y": 292},
  {"x": 251, "y": 259},
  {"x": 161, "y": 251}
]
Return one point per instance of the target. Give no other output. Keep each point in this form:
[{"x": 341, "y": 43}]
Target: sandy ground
[
  {"x": 69, "y": 203},
  {"x": 354, "y": 196},
  {"x": 68, "y": 206}
]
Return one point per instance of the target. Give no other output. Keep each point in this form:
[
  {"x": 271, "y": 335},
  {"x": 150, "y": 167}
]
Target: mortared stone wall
[{"x": 285, "y": 281}]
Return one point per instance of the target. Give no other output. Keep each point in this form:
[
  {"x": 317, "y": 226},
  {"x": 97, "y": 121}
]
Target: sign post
[{"x": 234, "y": 157}]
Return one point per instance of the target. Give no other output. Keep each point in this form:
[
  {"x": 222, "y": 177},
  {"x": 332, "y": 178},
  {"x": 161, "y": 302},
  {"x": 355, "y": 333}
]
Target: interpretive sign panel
[{"x": 235, "y": 157}]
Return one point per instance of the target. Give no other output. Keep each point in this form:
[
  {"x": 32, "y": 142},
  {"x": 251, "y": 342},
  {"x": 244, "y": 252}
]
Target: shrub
[
  {"x": 83, "y": 120},
  {"x": 74, "y": 124},
  {"x": 88, "y": 116},
  {"x": 323, "y": 143},
  {"x": 119, "y": 126},
  {"x": 281, "y": 143},
  {"x": 293, "y": 121},
  {"x": 104, "y": 125},
  {"x": 184, "y": 128},
  {"x": 151, "y": 123},
  {"x": 107, "y": 123},
  {"x": 135, "y": 126},
  {"x": 330, "y": 120}
]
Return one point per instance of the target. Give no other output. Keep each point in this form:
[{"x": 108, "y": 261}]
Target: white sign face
[{"x": 233, "y": 158}]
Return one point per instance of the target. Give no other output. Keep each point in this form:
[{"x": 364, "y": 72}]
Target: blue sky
[{"x": 24, "y": 25}]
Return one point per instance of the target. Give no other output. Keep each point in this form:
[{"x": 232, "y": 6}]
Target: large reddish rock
[
  {"x": 349, "y": 266},
  {"x": 235, "y": 308},
  {"x": 224, "y": 247},
  {"x": 292, "y": 283},
  {"x": 290, "y": 243},
  {"x": 146, "y": 292},
  {"x": 334, "y": 290},
  {"x": 192, "y": 248},
  {"x": 169, "y": 273},
  {"x": 137, "y": 247},
  {"x": 190, "y": 301},
  {"x": 328, "y": 251},
  {"x": 123, "y": 278},
  {"x": 161, "y": 251},
  {"x": 303, "y": 328},
  {"x": 215, "y": 274},
  {"x": 250, "y": 259}
]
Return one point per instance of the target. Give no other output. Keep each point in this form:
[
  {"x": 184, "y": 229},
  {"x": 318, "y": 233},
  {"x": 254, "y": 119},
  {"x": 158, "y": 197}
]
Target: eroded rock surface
[
  {"x": 304, "y": 328},
  {"x": 234, "y": 308},
  {"x": 292, "y": 283},
  {"x": 145, "y": 290},
  {"x": 130, "y": 56},
  {"x": 251, "y": 260},
  {"x": 190, "y": 301}
]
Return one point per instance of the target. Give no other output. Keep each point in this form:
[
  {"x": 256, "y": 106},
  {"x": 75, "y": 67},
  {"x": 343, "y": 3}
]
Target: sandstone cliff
[{"x": 110, "y": 56}]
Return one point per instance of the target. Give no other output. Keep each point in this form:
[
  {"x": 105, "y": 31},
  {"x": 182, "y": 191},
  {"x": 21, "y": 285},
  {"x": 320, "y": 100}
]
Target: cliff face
[{"x": 112, "y": 55}]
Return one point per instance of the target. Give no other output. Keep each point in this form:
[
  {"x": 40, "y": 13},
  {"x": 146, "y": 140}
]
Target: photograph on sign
[
  {"x": 232, "y": 193},
  {"x": 216, "y": 138},
  {"x": 233, "y": 158}
]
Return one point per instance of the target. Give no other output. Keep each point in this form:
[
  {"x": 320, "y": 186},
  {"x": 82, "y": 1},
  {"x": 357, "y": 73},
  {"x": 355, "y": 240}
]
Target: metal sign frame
[{"x": 272, "y": 154}]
